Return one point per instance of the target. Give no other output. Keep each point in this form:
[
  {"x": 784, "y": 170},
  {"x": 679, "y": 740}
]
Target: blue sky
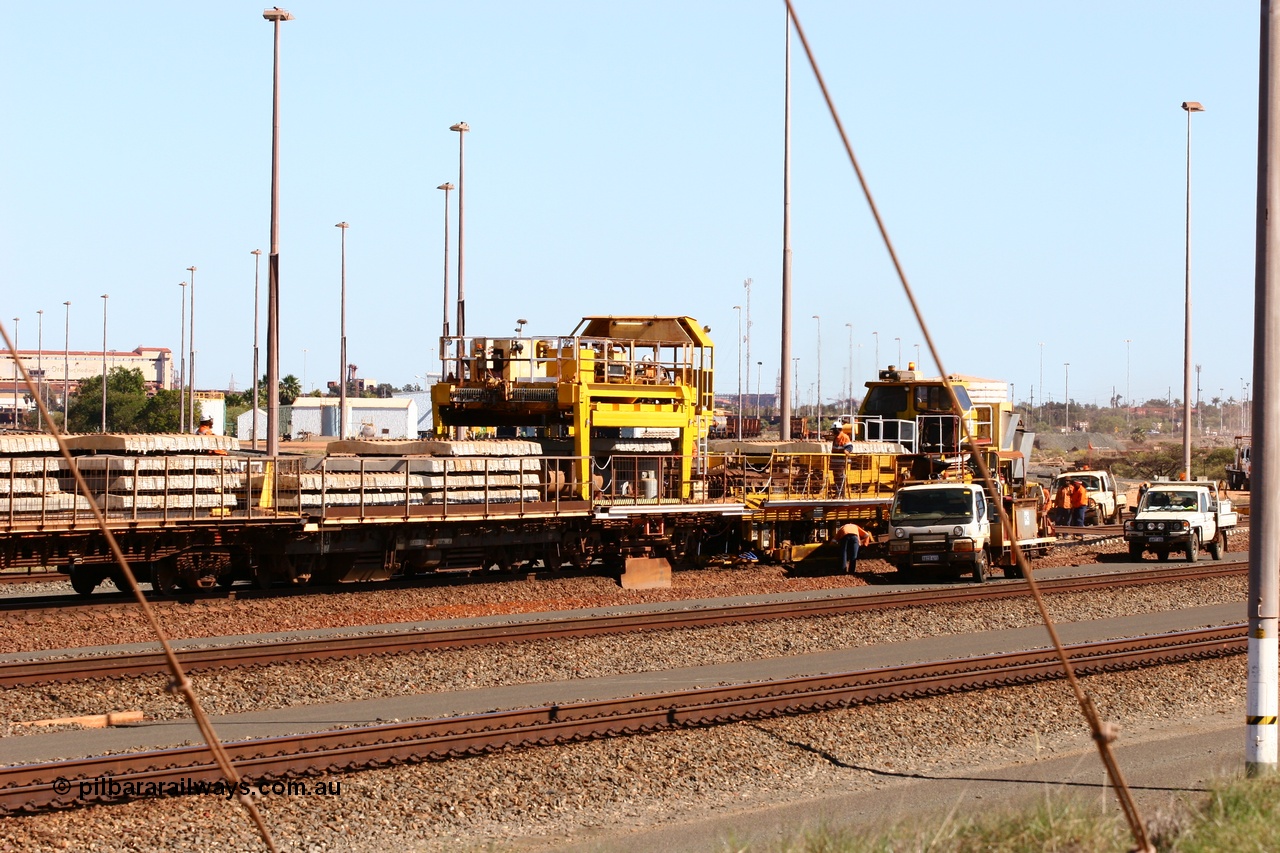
[{"x": 1029, "y": 160}]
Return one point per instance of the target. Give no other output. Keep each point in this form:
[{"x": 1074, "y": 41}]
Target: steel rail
[
  {"x": 46, "y": 671},
  {"x": 62, "y": 784}
]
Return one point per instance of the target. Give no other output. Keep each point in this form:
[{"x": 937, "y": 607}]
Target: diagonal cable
[
  {"x": 180, "y": 684},
  {"x": 1103, "y": 733}
]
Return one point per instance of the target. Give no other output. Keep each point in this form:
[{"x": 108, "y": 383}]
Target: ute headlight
[
  {"x": 900, "y": 533},
  {"x": 1159, "y": 525},
  {"x": 957, "y": 530}
]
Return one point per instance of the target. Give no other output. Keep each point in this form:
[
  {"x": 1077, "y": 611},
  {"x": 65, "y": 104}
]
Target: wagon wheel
[{"x": 164, "y": 576}]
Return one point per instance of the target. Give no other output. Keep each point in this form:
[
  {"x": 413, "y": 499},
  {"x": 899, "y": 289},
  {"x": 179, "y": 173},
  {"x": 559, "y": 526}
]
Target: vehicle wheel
[
  {"x": 1216, "y": 548},
  {"x": 1135, "y": 550},
  {"x": 164, "y": 577},
  {"x": 1193, "y": 547},
  {"x": 1092, "y": 515},
  {"x": 1162, "y": 554},
  {"x": 980, "y": 567},
  {"x": 83, "y": 581}
]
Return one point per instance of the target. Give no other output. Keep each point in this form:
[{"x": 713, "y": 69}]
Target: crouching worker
[{"x": 850, "y": 538}]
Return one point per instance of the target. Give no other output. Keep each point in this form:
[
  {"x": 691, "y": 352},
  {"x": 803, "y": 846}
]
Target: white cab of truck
[
  {"x": 1182, "y": 517},
  {"x": 940, "y": 525},
  {"x": 1106, "y": 501}
]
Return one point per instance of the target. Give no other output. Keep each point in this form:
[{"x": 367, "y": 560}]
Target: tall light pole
[
  {"x": 191, "y": 347},
  {"x": 849, "y": 326},
  {"x": 444, "y": 328},
  {"x": 1042, "y": 395},
  {"x": 66, "y": 362},
  {"x": 741, "y": 413},
  {"x": 758, "y": 366},
  {"x": 342, "y": 374},
  {"x": 1066, "y": 394},
  {"x": 784, "y": 398},
  {"x": 257, "y": 258},
  {"x": 746, "y": 285},
  {"x": 39, "y": 365},
  {"x": 795, "y": 379},
  {"x": 275, "y": 16},
  {"x": 461, "y": 128},
  {"x": 1199, "y": 408},
  {"x": 899, "y": 364},
  {"x": 104, "y": 362},
  {"x": 1128, "y": 401},
  {"x": 876, "y": 335},
  {"x": 1190, "y": 107},
  {"x": 182, "y": 361},
  {"x": 15, "y": 373},
  {"x": 819, "y": 412}
]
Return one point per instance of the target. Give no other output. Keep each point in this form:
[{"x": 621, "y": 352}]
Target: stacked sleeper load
[
  {"x": 33, "y": 485},
  {"x": 430, "y": 481},
  {"x": 163, "y": 482},
  {"x": 455, "y": 472}
]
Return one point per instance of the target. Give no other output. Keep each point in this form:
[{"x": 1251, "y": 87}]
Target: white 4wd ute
[
  {"x": 1106, "y": 501},
  {"x": 1184, "y": 517}
]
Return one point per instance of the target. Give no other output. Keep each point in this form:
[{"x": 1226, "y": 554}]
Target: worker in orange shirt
[
  {"x": 206, "y": 428},
  {"x": 841, "y": 448},
  {"x": 1079, "y": 499},
  {"x": 850, "y": 537},
  {"x": 1062, "y": 505}
]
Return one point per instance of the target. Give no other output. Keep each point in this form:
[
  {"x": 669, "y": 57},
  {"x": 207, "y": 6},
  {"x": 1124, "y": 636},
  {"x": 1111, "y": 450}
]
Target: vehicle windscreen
[
  {"x": 932, "y": 506},
  {"x": 1170, "y": 501},
  {"x": 888, "y": 401}
]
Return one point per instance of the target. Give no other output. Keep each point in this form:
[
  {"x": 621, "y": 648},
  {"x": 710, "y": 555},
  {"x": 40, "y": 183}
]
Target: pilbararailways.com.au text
[{"x": 107, "y": 786}]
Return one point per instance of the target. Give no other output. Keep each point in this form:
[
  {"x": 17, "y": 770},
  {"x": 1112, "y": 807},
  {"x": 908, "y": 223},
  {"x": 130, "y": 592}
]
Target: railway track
[
  {"x": 46, "y": 671},
  {"x": 30, "y": 788}
]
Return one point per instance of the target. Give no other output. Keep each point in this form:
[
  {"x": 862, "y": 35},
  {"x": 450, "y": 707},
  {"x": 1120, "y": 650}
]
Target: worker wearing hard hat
[
  {"x": 850, "y": 537},
  {"x": 841, "y": 447}
]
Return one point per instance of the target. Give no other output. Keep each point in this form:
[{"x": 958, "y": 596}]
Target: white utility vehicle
[
  {"x": 1181, "y": 516},
  {"x": 954, "y": 526}
]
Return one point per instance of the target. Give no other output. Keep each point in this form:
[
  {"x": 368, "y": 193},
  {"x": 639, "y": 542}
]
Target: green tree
[
  {"x": 129, "y": 408},
  {"x": 290, "y": 389}
]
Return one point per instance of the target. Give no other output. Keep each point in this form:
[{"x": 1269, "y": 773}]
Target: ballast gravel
[{"x": 530, "y": 799}]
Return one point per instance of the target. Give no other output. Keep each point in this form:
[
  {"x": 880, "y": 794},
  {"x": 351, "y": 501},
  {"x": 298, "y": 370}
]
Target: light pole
[
  {"x": 304, "y": 370},
  {"x": 104, "y": 362},
  {"x": 182, "y": 356},
  {"x": 795, "y": 380},
  {"x": 1128, "y": 402},
  {"x": 66, "y": 362},
  {"x": 461, "y": 128},
  {"x": 917, "y": 346},
  {"x": 342, "y": 374},
  {"x": 849, "y": 326},
  {"x": 1190, "y": 107},
  {"x": 191, "y": 346},
  {"x": 1066, "y": 394},
  {"x": 738, "y": 308},
  {"x": 758, "y": 411},
  {"x": 275, "y": 16},
  {"x": 444, "y": 328},
  {"x": 899, "y": 364},
  {"x": 819, "y": 411},
  {"x": 15, "y": 373},
  {"x": 746, "y": 285},
  {"x": 876, "y": 335},
  {"x": 1199, "y": 408},
  {"x": 257, "y": 257},
  {"x": 39, "y": 365}
]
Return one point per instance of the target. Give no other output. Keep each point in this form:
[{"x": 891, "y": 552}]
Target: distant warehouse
[{"x": 393, "y": 417}]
